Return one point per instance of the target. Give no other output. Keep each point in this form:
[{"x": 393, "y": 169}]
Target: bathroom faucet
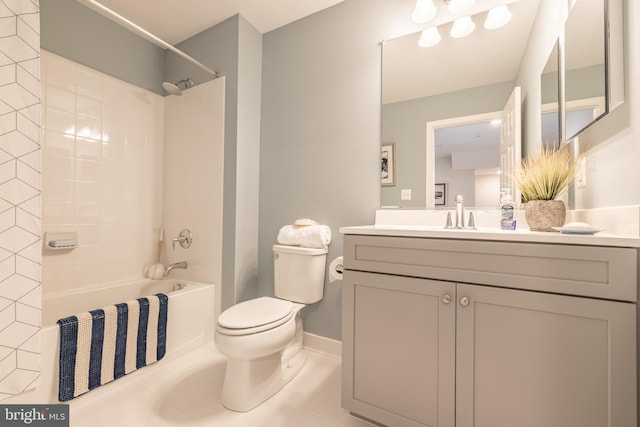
[
  {"x": 181, "y": 264},
  {"x": 459, "y": 212},
  {"x": 460, "y": 217}
]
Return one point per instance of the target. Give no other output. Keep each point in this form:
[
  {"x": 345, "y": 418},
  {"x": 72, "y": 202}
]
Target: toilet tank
[{"x": 299, "y": 273}]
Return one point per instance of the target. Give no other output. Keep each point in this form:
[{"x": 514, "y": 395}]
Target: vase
[{"x": 543, "y": 214}]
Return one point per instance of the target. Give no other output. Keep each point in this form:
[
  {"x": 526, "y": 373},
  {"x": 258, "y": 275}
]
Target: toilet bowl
[
  {"x": 256, "y": 365},
  {"x": 262, "y": 337}
]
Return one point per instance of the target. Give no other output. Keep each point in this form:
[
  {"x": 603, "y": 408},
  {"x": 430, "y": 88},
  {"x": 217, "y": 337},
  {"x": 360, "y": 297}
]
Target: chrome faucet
[
  {"x": 459, "y": 212},
  {"x": 181, "y": 264},
  {"x": 184, "y": 238}
]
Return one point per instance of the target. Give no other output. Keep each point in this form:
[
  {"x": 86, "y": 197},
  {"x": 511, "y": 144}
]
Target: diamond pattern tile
[
  {"x": 17, "y": 333},
  {"x": 22, "y": 7},
  {"x": 16, "y": 239},
  {"x": 7, "y": 316},
  {"x": 20, "y": 206},
  {"x": 15, "y": 191},
  {"x": 15, "y": 287},
  {"x": 17, "y": 144}
]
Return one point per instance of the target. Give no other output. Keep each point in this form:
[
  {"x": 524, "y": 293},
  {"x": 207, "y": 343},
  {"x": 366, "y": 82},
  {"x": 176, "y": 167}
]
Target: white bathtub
[{"x": 190, "y": 323}]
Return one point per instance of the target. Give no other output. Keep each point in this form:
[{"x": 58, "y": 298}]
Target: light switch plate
[{"x": 581, "y": 175}]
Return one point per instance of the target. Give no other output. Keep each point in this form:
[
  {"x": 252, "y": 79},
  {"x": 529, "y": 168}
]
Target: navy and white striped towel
[{"x": 99, "y": 346}]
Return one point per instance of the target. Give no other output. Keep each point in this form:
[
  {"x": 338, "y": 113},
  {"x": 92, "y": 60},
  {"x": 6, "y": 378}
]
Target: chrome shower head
[{"x": 174, "y": 88}]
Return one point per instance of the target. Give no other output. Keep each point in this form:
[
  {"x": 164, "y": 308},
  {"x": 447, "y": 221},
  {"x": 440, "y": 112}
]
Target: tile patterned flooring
[{"x": 186, "y": 391}]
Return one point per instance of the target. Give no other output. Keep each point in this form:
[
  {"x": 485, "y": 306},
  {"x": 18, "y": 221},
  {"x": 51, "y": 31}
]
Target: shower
[{"x": 174, "y": 88}]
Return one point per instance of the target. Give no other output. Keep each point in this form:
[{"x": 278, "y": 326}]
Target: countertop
[{"x": 494, "y": 234}]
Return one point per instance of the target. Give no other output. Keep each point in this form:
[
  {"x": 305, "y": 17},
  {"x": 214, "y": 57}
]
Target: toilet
[{"x": 262, "y": 337}]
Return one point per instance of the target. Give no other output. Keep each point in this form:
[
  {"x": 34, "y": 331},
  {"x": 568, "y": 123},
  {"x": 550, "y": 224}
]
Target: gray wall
[
  {"x": 405, "y": 124},
  {"x": 320, "y": 139},
  {"x": 233, "y": 48},
  {"x": 73, "y": 31}
]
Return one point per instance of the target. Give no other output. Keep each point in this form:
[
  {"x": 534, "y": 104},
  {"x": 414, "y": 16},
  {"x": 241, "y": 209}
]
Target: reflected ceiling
[{"x": 482, "y": 58}]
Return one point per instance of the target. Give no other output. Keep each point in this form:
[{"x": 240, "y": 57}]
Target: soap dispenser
[{"x": 507, "y": 211}]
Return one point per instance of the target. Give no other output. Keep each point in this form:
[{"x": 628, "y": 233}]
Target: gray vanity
[{"x": 489, "y": 329}]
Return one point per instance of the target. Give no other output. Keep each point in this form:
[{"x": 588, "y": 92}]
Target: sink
[{"x": 437, "y": 218}]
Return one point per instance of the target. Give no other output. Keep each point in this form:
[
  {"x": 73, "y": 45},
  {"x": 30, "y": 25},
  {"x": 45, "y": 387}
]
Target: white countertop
[{"x": 520, "y": 235}]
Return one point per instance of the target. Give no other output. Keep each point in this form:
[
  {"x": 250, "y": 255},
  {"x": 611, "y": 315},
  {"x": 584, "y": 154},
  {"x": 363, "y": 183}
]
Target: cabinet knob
[
  {"x": 464, "y": 301},
  {"x": 446, "y": 298}
]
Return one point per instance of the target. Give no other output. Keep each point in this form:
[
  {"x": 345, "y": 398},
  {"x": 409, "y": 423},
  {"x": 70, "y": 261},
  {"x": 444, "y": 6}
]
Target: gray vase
[{"x": 543, "y": 214}]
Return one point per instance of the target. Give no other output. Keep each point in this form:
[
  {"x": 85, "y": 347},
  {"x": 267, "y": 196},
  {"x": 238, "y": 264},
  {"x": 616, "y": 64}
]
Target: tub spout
[{"x": 181, "y": 264}]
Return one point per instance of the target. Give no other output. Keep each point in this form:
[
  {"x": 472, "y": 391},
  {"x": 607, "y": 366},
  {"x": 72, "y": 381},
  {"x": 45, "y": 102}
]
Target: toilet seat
[{"x": 255, "y": 315}]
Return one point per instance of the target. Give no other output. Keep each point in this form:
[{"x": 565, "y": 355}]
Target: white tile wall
[
  {"x": 193, "y": 174},
  {"x": 20, "y": 203},
  {"x": 102, "y": 175}
]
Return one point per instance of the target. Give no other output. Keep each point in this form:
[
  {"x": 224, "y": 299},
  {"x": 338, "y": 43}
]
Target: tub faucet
[{"x": 181, "y": 264}]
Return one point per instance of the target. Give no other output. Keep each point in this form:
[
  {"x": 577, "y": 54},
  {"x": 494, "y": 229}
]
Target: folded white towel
[{"x": 312, "y": 236}]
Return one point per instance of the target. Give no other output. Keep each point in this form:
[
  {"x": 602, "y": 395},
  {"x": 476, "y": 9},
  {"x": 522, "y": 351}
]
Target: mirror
[
  {"x": 474, "y": 156},
  {"x": 584, "y": 75},
  {"x": 593, "y": 78},
  {"x": 550, "y": 98},
  {"x": 456, "y": 78},
  {"x": 467, "y": 160}
]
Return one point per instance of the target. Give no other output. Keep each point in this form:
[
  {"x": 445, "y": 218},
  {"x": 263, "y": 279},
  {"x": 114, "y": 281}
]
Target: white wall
[
  {"x": 546, "y": 29},
  {"x": 193, "y": 171},
  {"x": 20, "y": 202},
  {"x": 102, "y": 175},
  {"x": 458, "y": 182},
  {"x": 487, "y": 191},
  {"x": 614, "y": 141}
]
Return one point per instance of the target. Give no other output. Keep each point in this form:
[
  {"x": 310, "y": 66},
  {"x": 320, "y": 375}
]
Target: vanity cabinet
[{"x": 426, "y": 345}]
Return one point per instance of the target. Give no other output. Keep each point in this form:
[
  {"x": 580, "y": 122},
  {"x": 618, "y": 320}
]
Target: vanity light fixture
[
  {"x": 424, "y": 12},
  {"x": 430, "y": 37},
  {"x": 457, "y": 6},
  {"x": 497, "y": 17},
  {"x": 462, "y": 27}
]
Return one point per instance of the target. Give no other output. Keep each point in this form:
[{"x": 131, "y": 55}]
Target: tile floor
[{"x": 186, "y": 392}]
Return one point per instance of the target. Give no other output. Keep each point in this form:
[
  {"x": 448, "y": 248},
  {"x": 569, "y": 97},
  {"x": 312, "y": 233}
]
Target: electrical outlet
[{"x": 405, "y": 194}]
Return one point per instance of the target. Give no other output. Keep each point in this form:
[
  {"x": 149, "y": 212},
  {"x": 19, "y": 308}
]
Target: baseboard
[{"x": 322, "y": 344}]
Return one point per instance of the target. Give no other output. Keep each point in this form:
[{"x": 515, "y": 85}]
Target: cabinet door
[
  {"x": 399, "y": 349},
  {"x": 530, "y": 359}
]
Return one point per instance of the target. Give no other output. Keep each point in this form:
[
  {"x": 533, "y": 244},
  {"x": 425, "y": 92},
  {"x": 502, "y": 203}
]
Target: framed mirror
[
  {"x": 551, "y": 122},
  {"x": 584, "y": 66},
  {"x": 593, "y": 76}
]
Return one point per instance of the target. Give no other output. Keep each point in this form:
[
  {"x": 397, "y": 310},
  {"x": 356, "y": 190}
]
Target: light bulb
[
  {"x": 430, "y": 37},
  {"x": 457, "y": 6},
  {"x": 425, "y": 11},
  {"x": 498, "y": 17},
  {"x": 462, "y": 27}
]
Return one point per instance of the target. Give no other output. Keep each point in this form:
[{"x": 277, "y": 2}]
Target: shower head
[{"x": 174, "y": 88}]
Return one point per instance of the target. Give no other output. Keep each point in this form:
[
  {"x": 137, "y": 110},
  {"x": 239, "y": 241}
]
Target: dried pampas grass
[{"x": 545, "y": 176}]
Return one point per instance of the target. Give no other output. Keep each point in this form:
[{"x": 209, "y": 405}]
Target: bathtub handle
[{"x": 184, "y": 238}]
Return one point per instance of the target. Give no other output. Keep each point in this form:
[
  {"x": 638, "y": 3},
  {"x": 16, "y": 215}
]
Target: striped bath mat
[{"x": 99, "y": 346}]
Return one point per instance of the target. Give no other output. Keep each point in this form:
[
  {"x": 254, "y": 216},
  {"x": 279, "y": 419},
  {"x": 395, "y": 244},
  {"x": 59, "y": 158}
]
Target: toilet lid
[{"x": 255, "y": 312}]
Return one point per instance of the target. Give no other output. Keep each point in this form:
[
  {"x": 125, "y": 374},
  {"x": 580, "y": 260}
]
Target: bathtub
[{"x": 190, "y": 324}]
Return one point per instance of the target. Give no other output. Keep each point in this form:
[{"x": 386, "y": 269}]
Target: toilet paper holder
[{"x": 336, "y": 268}]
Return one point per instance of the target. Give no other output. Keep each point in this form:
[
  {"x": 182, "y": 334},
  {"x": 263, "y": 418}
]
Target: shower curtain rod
[{"x": 144, "y": 33}]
